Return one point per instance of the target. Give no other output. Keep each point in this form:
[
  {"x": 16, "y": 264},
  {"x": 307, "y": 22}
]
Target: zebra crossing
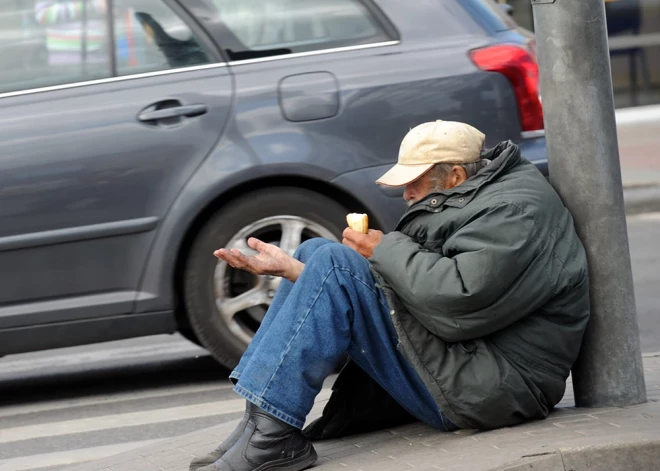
[{"x": 92, "y": 417}]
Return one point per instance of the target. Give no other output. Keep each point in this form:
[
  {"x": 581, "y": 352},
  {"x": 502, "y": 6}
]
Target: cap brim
[{"x": 401, "y": 175}]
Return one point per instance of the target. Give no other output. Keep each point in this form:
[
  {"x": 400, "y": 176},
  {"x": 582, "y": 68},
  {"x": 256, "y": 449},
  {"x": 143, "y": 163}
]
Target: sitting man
[{"x": 469, "y": 315}]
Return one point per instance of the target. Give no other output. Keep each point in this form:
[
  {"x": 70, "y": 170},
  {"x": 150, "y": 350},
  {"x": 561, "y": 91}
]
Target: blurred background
[
  {"x": 634, "y": 36},
  {"x": 137, "y": 136}
]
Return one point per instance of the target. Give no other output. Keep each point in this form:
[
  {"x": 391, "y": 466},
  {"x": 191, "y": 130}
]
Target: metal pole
[{"x": 576, "y": 84}]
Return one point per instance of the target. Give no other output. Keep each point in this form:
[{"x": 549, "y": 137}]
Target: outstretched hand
[{"x": 270, "y": 260}]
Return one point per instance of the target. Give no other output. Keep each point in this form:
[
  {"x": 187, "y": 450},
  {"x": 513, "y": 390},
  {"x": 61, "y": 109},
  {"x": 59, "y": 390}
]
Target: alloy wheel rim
[{"x": 242, "y": 299}]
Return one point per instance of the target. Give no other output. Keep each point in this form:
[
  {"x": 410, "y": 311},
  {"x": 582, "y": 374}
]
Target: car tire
[
  {"x": 189, "y": 335},
  {"x": 212, "y": 289}
]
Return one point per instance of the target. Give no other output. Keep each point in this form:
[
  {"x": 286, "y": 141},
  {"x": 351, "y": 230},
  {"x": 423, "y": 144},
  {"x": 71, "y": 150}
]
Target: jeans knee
[
  {"x": 342, "y": 255},
  {"x": 307, "y": 248}
]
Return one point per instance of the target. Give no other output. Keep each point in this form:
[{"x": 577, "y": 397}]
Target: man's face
[
  {"x": 417, "y": 190},
  {"x": 420, "y": 188}
]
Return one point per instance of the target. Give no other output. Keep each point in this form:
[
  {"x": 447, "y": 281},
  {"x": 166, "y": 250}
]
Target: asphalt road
[
  {"x": 644, "y": 238},
  {"x": 68, "y": 406}
]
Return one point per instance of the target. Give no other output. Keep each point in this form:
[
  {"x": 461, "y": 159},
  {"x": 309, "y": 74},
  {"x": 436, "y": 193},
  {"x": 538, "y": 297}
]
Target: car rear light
[{"x": 519, "y": 65}]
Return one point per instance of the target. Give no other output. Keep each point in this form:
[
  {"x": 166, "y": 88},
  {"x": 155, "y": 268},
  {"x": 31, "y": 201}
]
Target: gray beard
[{"x": 436, "y": 189}]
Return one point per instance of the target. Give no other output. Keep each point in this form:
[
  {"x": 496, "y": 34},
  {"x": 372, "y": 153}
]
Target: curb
[
  {"x": 641, "y": 198},
  {"x": 642, "y": 455}
]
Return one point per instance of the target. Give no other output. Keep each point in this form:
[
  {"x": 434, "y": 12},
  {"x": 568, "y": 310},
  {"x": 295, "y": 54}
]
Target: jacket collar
[{"x": 503, "y": 157}]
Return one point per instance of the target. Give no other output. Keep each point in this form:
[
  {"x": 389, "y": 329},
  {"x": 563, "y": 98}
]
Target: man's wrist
[{"x": 296, "y": 269}]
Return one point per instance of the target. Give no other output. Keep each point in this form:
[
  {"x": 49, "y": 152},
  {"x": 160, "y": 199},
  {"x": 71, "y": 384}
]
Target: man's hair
[{"x": 439, "y": 173}]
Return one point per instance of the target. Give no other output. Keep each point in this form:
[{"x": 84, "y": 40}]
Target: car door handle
[{"x": 188, "y": 111}]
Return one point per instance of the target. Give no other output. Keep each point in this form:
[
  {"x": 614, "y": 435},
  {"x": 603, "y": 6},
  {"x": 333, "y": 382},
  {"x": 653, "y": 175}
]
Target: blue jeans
[{"x": 333, "y": 308}]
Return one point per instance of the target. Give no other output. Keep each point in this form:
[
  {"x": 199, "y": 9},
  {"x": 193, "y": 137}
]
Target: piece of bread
[{"x": 358, "y": 222}]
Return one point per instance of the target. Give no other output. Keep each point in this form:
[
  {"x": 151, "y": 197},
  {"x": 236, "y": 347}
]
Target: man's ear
[{"x": 457, "y": 176}]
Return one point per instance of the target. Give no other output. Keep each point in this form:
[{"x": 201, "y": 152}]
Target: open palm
[{"x": 270, "y": 260}]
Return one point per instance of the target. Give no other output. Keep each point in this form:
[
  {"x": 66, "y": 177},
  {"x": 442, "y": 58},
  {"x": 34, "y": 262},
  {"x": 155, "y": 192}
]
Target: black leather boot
[
  {"x": 216, "y": 454},
  {"x": 266, "y": 443}
]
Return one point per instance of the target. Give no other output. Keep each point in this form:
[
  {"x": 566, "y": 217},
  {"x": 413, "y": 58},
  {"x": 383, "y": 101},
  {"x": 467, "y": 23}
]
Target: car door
[
  {"x": 332, "y": 86},
  {"x": 99, "y": 130}
]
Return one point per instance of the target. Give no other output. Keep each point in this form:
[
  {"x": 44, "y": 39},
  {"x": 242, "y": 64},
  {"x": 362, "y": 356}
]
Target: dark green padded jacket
[{"x": 488, "y": 287}]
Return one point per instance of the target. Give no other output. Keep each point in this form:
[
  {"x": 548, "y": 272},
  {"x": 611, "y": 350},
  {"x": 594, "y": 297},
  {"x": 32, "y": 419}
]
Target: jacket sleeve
[{"x": 469, "y": 290}]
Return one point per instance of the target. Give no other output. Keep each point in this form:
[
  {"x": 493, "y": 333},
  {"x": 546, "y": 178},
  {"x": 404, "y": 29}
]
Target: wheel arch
[{"x": 226, "y": 197}]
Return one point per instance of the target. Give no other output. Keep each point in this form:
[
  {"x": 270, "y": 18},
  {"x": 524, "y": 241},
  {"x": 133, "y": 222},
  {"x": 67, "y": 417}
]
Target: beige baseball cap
[{"x": 438, "y": 142}]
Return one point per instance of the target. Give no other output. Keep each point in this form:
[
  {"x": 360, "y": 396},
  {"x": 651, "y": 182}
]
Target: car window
[
  {"x": 151, "y": 37},
  {"x": 285, "y": 26},
  {"x": 52, "y": 42}
]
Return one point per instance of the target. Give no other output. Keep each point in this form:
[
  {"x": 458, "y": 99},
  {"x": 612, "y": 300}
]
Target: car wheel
[{"x": 225, "y": 306}]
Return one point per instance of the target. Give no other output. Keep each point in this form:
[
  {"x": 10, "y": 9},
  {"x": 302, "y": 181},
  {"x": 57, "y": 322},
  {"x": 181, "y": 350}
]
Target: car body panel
[
  {"x": 98, "y": 209},
  {"x": 79, "y": 219}
]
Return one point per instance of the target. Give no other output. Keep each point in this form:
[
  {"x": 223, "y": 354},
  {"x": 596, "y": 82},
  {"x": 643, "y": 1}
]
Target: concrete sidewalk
[{"x": 569, "y": 439}]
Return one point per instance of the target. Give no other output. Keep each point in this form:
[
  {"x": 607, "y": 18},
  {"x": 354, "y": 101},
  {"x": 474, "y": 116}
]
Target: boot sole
[{"x": 304, "y": 461}]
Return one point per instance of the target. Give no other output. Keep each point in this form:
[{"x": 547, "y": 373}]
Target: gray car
[{"x": 138, "y": 136}]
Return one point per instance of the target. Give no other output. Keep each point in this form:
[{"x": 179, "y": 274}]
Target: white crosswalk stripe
[
  {"x": 66, "y": 458},
  {"x": 109, "y": 399},
  {"x": 92, "y": 424},
  {"x": 131, "y": 419},
  {"x": 59, "y": 433},
  {"x": 84, "y": 427},
  {"x": 114, "y": 354}
]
